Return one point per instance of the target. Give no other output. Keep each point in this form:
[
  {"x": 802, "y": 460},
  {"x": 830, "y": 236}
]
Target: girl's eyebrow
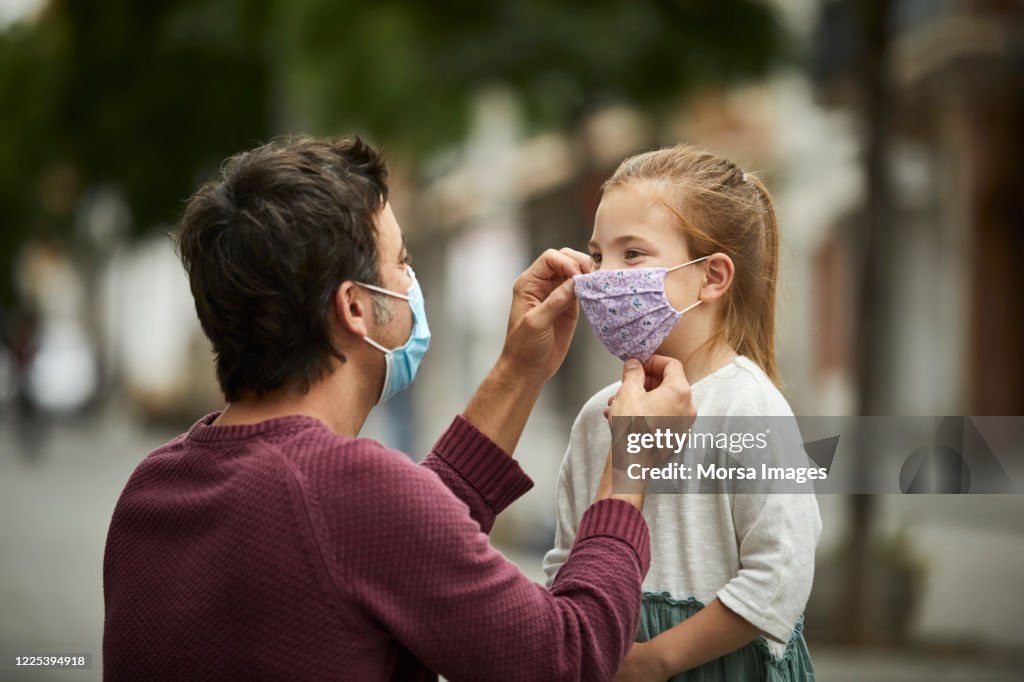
[{"x": 621, "y": 240}]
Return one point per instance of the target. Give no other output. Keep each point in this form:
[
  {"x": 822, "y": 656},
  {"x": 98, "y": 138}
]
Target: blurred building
[{"x": 953, "y": 112}]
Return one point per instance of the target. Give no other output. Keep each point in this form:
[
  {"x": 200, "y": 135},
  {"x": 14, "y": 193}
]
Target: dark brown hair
[
  {"x": 267, "y": 243},
  {"x": 721, "y": 209}
]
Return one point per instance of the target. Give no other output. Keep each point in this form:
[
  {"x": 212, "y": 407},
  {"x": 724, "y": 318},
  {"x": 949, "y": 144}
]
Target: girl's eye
[
  {"x": 633, "y": 253},
  {"x": 407, "y": 260},
  {"x": 596, "y": 257}
]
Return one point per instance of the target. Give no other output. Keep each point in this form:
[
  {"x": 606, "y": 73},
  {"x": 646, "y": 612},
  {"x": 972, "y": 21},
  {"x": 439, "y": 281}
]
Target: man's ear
[
  {"x": 352, "y": 307},
  {"x": 717, "y": 277}
]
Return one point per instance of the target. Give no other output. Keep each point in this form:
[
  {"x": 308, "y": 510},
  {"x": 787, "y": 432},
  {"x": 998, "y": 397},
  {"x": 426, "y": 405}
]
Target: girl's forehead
[{"x": 629, "y": 209}]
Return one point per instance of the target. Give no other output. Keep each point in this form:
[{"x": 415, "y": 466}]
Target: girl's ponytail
[{"x": 761, "y": 338}]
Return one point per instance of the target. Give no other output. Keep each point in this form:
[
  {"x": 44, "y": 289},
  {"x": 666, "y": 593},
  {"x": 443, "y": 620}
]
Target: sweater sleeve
[
  {"x": 479, "y": 472},
  {"x": 777, "y": 535},
  {"x": 417, "y": 563}
]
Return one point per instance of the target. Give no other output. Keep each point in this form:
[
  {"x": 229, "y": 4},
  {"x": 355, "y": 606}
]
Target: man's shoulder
[
  {"x": 342, "y": 462},
  {"x": 323, "y": 462}
]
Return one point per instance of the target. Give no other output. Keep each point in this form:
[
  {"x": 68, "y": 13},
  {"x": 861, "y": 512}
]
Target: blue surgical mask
[{"x": 401, "y": 363}]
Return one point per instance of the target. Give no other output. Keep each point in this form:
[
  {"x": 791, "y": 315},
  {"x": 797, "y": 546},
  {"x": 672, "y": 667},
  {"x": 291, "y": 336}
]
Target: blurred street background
[{"x": 890, "y": 132}]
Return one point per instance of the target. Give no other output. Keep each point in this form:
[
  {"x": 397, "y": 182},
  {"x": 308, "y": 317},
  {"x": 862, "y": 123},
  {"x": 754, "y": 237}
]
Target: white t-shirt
[{"x": 754, "y": 552}]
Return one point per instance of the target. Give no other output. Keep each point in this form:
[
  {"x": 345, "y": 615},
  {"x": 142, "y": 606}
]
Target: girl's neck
[{"x": 704, "y": 361}]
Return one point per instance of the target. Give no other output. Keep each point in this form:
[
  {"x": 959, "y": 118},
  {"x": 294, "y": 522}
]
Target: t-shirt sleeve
[
  {"x": 777, "y": 535},
  {"x": 776, "y": 532},
  {"x": 415, "y": 562}
]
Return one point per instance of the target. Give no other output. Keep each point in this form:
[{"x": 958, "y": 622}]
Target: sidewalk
[{"x": 839, "y": 665}]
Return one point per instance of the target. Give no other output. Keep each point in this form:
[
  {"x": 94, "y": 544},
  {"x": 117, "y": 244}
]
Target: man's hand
[
  {"x": 540, "y": 327},
  {"x": 657, "y": 389},
  {"x": 543, "y": 315}
]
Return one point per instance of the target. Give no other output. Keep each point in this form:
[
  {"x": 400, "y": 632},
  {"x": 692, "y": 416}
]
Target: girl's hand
[{"x": 641, "y": 665}]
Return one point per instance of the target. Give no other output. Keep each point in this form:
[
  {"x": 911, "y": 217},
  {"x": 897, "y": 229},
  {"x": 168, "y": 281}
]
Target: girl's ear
[
  {"x": 352, "y": 309},
  {"x": 717, "y": 277}
]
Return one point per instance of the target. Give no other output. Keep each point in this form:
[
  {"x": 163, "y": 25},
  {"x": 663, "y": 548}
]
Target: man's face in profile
[{"x": 393, "y": 265}]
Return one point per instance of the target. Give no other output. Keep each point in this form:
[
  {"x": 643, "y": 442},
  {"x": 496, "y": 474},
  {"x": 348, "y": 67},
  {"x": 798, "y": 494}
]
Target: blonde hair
[{"x": 721, "y": 209}]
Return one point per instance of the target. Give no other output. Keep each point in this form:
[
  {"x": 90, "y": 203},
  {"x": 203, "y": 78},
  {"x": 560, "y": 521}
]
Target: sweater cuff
[
  {"x": 494, "y": 474},
  {"x": 618, "y": 519}
]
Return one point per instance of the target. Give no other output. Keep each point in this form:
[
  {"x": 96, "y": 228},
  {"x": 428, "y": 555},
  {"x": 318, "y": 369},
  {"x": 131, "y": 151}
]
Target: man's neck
[{"x": 344, "y": 416}]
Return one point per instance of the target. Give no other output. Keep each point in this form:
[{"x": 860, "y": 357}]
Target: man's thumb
[{"x": 633, "y": 373}]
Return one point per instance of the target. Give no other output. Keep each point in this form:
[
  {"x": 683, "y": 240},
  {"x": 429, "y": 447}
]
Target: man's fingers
[
  {"x": 585, "y": 262},
  {"x": 553, "y": 263},
  {"x": 667, "y": 373},
  {"x": 656, "y": 365},
  {"x": 557, "y": 302},
  {"x": 660, "y": 366},
  {"x": 633, "y": 374}
]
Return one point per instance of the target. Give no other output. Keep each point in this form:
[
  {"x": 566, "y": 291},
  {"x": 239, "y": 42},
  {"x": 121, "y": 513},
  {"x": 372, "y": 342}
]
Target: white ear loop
[
  {"x": 681, "y": 265},
  {"x": 382, "y": 348},
  {"x": 690, "y": 307},
  {"x": 388, "y": 292},
  {"x": 381, "y": 290},
  {"x": 690, "y": 262}
]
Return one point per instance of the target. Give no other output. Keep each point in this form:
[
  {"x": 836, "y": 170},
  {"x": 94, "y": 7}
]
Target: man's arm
[
  {"x": 472, "y": 456},
  {"x": 502, "y": 404},
  {"x": 479, "y": 472},
  {"x": 541, "y": 322},
  {"x": 486, "y": 480},
  {"x": 421, "y": 568}
]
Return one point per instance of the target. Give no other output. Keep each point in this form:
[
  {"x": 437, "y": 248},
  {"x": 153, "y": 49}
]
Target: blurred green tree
[
  {"x": 142, "y": 96},
  {"x": 404, "y": 70},
  {"x": 149, "y": 96}
]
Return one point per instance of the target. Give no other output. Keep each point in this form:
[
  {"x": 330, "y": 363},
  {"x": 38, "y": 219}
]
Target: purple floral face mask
[{"x": 628, "y": 309}]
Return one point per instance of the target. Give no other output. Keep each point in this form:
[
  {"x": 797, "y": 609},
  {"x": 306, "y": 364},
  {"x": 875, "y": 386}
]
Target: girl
[{"x": 730, "y": 574}]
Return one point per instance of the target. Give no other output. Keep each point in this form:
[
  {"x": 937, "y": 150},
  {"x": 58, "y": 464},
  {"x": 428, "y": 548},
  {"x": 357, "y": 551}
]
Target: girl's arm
[
  {"x": 711, "y": 633},
  {"x": 777, "y": 535}
]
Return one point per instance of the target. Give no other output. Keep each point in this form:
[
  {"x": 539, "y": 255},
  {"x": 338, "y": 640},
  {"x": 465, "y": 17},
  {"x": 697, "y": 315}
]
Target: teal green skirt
[{"x": 660, "y": 611}]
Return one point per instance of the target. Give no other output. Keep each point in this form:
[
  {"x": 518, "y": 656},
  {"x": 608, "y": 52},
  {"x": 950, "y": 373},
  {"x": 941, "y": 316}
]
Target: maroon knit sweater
[{"x": 283, "y": 551}]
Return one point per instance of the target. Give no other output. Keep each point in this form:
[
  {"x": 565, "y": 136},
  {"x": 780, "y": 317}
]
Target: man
[{"x": 268, "y": 542}]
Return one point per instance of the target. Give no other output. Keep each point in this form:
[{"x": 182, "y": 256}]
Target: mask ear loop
[
  {"x": 689, "y": 262},
  {"x": 682, "y": 265},
  {"x": 387, "y": 351},
  {"x": 387, "y": 292},
  {"x": 379, "y": 346},
  {"x": 690, "y": 307}
]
